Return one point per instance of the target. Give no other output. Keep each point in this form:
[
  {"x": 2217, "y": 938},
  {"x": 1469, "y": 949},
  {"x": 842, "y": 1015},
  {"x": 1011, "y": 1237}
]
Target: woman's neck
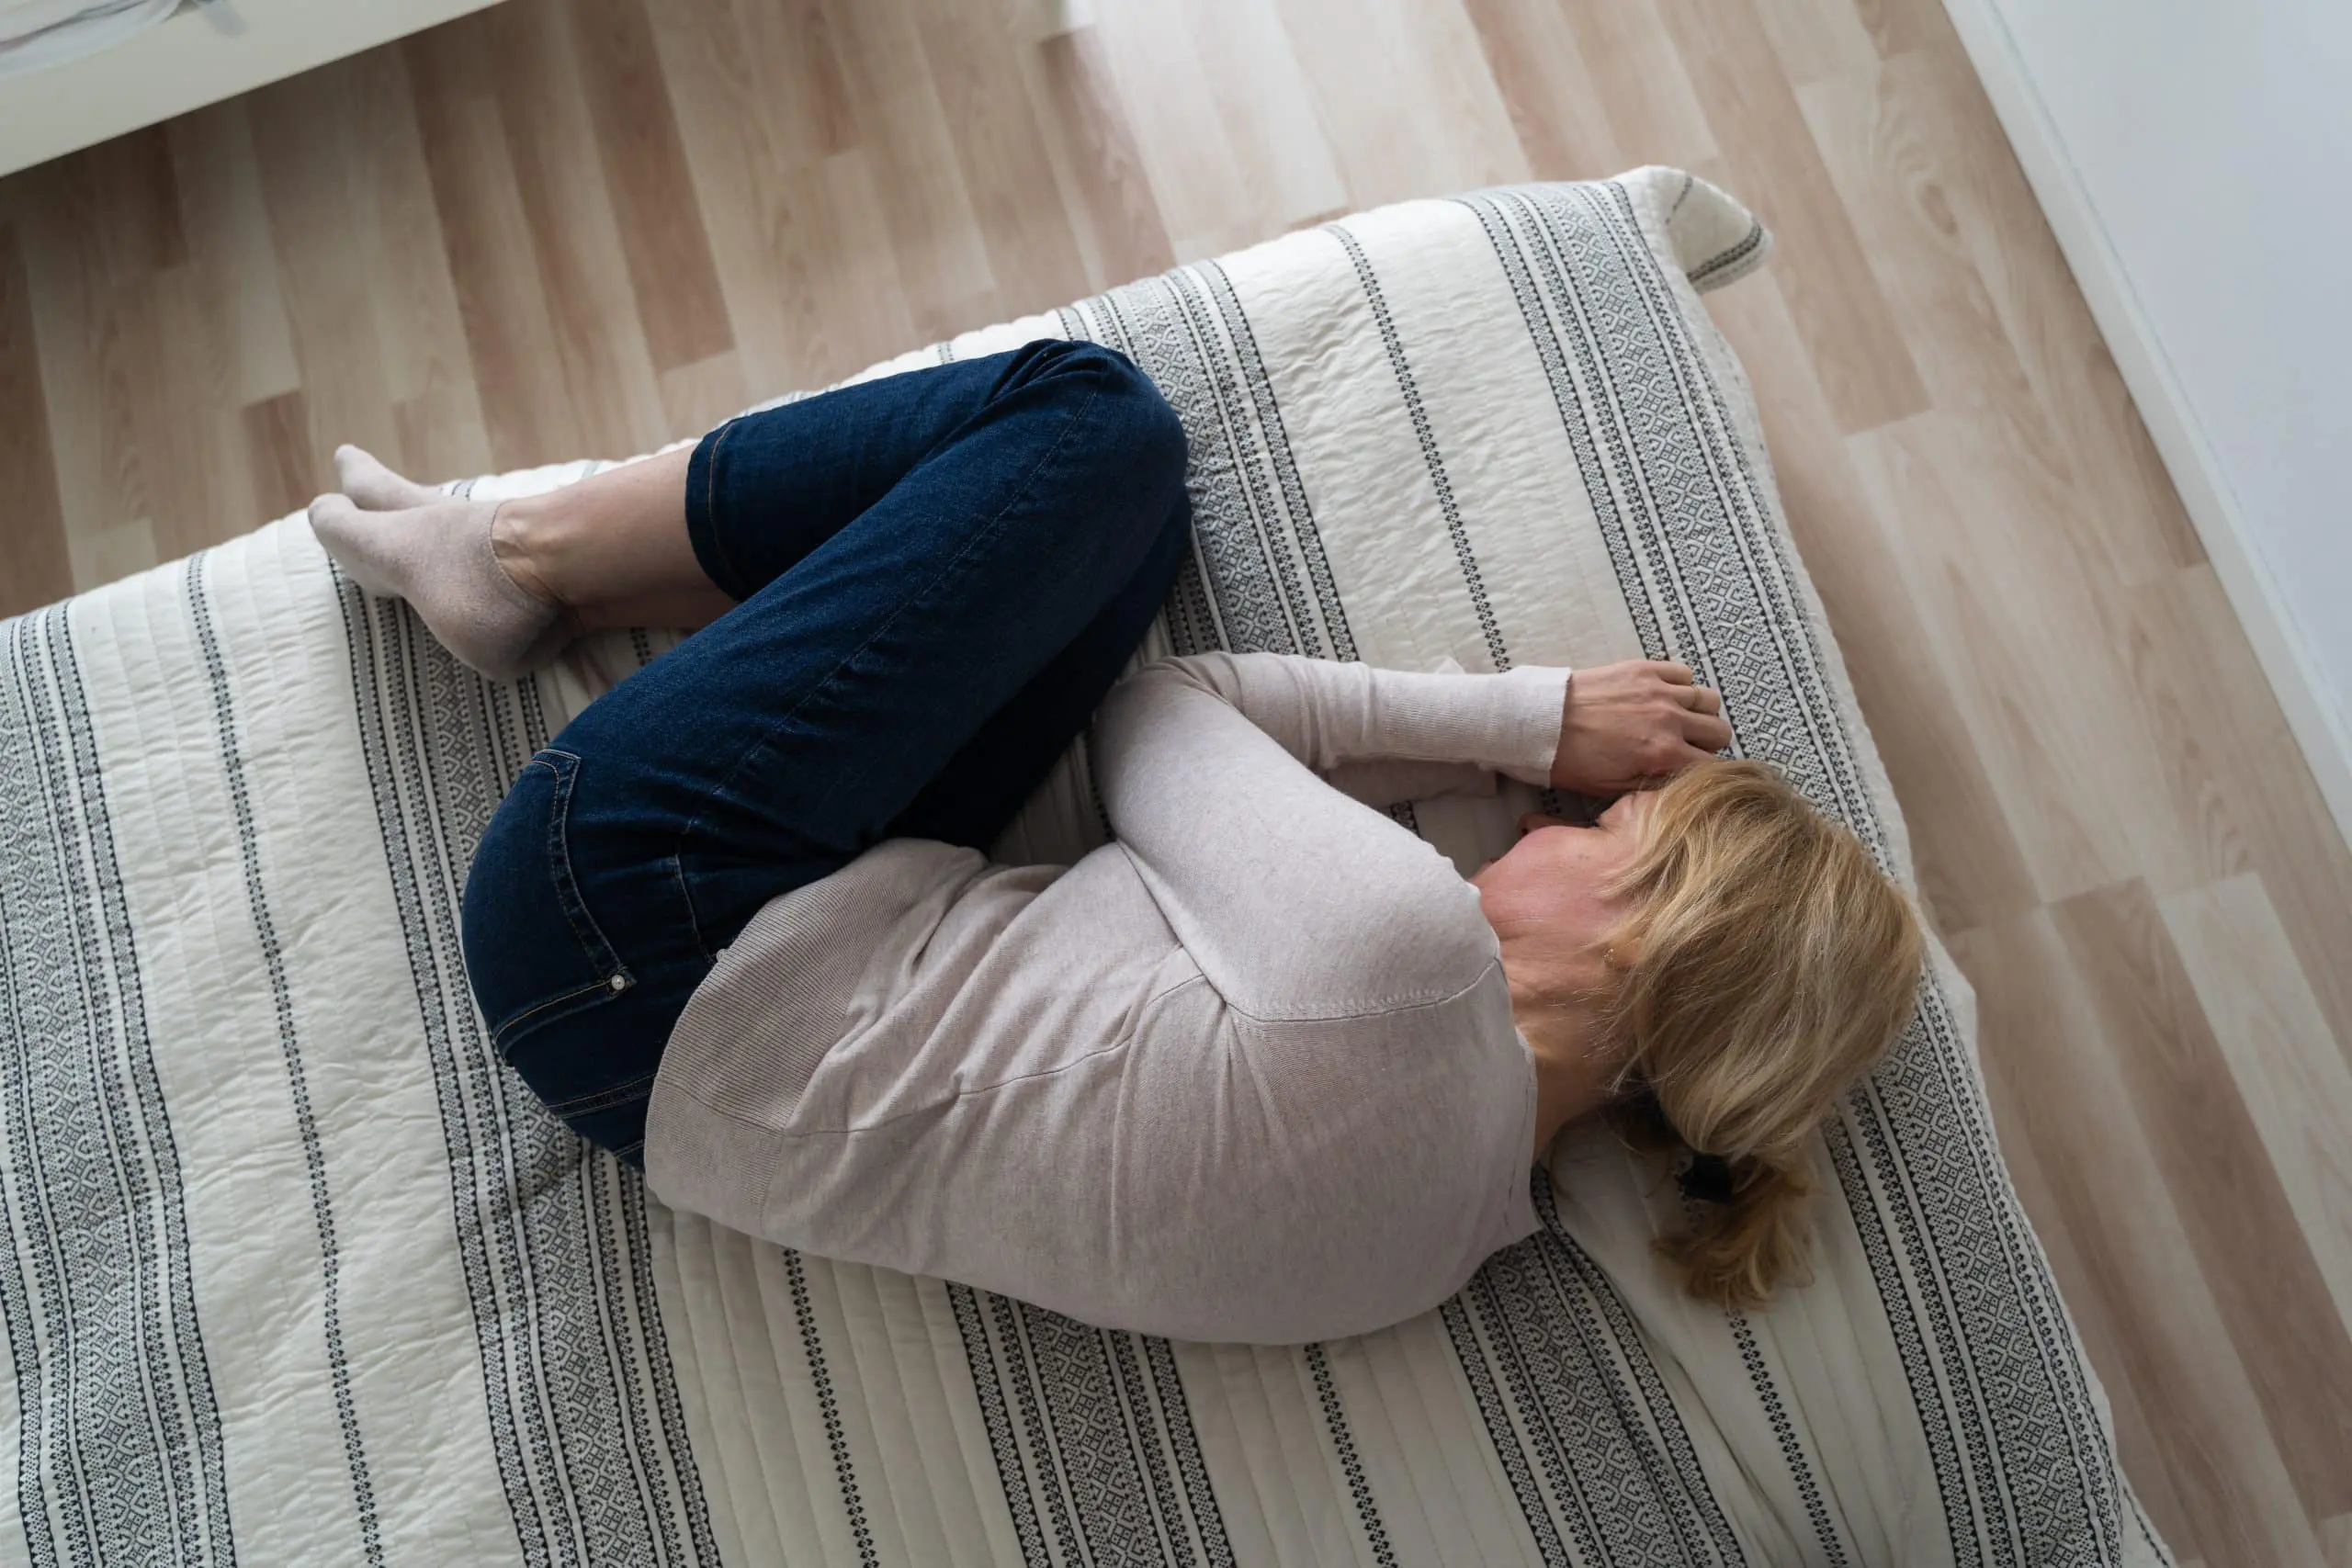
[{"x": 1572, "y": 1073}]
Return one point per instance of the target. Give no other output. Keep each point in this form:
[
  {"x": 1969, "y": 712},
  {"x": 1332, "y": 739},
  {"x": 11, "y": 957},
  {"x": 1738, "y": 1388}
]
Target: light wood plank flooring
[{"x": 587, "y": 226}]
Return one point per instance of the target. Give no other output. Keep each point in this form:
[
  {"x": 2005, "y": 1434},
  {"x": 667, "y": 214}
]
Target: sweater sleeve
[
  {"x": 1329, "y": 714},
  {"x": 1295, "y": 900}
]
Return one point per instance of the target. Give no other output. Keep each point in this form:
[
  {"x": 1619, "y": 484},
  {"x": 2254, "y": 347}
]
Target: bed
[{"x": 294, "y": 1271}]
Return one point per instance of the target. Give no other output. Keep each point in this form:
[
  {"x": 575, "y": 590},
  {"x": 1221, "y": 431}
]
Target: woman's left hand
[{"x": 1629, "y": 726}]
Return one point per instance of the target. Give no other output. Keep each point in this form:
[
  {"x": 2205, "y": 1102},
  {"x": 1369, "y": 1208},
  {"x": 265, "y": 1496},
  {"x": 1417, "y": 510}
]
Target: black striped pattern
[
  {"x": 1092, "y": 1442},
  {"x": 1409, "y": 392},
  {"x": 289, "y": 1046},
  {"x": 1343, "y": 1445},
  {"x": 1596, "y": 1449},
  {"x": 813, "y": 1349},
  {"x": 583, "y": 1405},
  {"x": 119, "y": 1449}
]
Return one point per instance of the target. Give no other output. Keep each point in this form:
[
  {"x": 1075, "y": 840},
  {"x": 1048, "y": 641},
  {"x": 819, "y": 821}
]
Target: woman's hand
[{"x": 1631, "y": 725}]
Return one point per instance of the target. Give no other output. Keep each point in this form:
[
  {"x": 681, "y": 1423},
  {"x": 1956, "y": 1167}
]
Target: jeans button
[{"x": 618, "y": 982}]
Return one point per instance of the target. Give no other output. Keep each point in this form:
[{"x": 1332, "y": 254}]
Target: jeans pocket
[{"x": 534, "y": 952}]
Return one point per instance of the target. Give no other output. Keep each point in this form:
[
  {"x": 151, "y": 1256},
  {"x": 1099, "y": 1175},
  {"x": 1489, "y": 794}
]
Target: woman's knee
[
  {"x": 1101, "y": 371},
  {"x": 1140, "y": 431},
  {"x": 1158, "y": 445}
]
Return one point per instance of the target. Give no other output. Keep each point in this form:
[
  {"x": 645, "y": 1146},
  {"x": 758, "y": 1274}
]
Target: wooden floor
[{"x": 569, "y": 227}]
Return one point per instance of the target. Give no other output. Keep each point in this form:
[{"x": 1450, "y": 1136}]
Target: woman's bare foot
[{"x": 443, "y": 555}]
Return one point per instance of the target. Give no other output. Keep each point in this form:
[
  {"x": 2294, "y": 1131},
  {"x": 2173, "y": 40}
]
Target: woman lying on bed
[{"x": 1266, "y": 1068}]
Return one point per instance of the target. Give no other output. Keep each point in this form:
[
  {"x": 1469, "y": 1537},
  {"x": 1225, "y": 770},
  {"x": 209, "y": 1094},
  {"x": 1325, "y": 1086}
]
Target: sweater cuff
[
  {"x": 1535, "y": 698},
  {"x": 1508, "y": 723}
]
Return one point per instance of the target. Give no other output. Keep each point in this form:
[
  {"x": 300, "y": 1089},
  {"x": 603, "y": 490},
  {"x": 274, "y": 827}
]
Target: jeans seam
[
  {"x": 980, "y": 537},
  {"x": 618, "y": 1094},
  {"x": 499, "y": 1035},
  {"x": 686, "y": 900},
  {"x": 597, "y": 947},
  {"x": 710, "y": 511}
]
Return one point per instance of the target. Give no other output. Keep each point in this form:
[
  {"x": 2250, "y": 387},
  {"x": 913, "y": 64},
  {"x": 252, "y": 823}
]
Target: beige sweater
[{"x": 1249, "y": 1073}]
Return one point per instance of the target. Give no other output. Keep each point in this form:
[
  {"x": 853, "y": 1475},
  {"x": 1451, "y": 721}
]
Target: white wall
[
  {"x": 2195, "y": 157},
  {"x": 198, "y": 56}
]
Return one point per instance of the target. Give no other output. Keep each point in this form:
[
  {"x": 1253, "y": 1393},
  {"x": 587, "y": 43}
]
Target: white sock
[
  {"x": 375, "y": 486},
  {"x": 436, "y": 553}
]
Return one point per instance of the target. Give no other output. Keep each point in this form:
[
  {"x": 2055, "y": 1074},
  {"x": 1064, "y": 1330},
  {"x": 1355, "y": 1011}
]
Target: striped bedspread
[{"x": 294, "y": 1271}]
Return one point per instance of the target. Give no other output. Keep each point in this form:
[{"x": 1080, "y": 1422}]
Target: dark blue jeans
[{"x": 939, "y": 575}]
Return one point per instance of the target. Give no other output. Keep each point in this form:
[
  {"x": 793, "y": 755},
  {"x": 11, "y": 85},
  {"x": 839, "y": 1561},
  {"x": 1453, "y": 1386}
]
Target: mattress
[{"x": 294, "y": 1270}]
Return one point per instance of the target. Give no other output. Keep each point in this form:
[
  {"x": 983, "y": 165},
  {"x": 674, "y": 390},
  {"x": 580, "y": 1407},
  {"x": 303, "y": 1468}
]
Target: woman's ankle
[{"x": 525, "y": 538}]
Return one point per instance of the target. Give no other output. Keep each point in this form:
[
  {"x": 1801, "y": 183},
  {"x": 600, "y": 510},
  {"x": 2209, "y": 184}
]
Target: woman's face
[{"x": 1552, "y": 885}]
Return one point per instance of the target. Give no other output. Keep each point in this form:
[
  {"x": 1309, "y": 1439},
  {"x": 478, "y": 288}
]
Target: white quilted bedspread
[{"x": 294, "y": 1271}]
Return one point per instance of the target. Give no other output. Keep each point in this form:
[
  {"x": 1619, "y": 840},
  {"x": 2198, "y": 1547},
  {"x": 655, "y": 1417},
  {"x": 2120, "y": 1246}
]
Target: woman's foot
[
  {"x": 375, "y": 486},
  {"x": 439, "y": 552}
]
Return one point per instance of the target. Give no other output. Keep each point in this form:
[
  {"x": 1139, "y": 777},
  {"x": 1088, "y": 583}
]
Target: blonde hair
[{"x": 1765, "y": 966}]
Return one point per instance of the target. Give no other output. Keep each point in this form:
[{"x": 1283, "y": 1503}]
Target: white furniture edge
[
  {"x": 2164, "y": 405},
  {"x": 191, "y": 58}
]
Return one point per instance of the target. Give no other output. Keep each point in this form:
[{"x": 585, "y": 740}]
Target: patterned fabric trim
[
  {"x": 1594, "y": 1446},
  {"x": 1732, "y": 265},
  {"x": 1343, "y": 1445},
  {"x": 1793, "y": 1452},
  {"x": 1281, "y": 467},
  {"x": 1093, "y": 1440},
  {"x": 828, "y": 1408},
  {"x": 583, "y": 1403},
  {"x": 119, "y": 1455}
]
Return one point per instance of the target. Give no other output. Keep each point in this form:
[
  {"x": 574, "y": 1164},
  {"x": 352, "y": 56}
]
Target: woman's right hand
[{"x": 1631, "y": 725}]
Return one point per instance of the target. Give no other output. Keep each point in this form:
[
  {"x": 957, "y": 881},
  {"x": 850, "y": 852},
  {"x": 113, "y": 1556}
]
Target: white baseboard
[
  {"x": 198, "y": 56},
  {"x": 2171, "y": 423}
]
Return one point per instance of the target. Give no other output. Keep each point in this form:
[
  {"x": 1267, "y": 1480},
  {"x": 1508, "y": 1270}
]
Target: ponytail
[
  {"x": 1734, "y": 1251},
  {"x": 1743, "y": 1232}
]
